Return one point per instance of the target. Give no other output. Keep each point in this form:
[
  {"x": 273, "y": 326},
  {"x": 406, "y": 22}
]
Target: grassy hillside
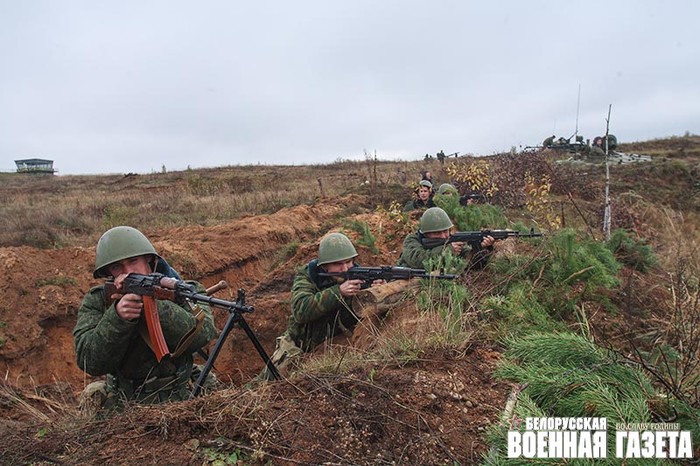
[{"x": 572, "y": 324}]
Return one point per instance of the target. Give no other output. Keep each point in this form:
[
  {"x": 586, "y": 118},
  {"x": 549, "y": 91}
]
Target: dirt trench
[
  {"x": 41, "y": 290},
  {"x": 435, "y": 410}
]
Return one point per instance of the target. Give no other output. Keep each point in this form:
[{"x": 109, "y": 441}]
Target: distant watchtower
[{"x": 35, "y": 166}]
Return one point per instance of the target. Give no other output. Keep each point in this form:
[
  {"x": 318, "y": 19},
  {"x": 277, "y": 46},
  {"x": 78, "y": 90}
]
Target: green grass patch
[{"x": 61, "y": 281}]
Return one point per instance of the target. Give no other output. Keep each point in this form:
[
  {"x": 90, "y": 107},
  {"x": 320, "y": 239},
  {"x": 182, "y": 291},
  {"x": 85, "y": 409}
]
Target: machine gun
[
  {"x": 158, "y": 286},
  {"x": 476, "y": 237},
  {"x": 384, "y": 272}
]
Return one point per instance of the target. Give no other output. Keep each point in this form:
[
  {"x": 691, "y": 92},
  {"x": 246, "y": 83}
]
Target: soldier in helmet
[
  {"x": 447, "y": 189},
  {"x": 109, "y": 333},
  {"x": 321, "y": 306},
  {"x": 435, "y": 223},
  {"x": 423, "y": 198},
  {"x": 446, "y": 197}
]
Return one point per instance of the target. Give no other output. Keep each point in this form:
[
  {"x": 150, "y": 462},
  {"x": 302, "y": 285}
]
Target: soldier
[
  {"x": 321, "y": 306},
  {"x": 111, "y": 337},
  {"x": 435, "y": 223},
  {"x": 612, "y": 142},
  {"x": 598, "y": 148},
  {"x": 447, "y": 189},
  {"x": 549, "y": 141},
  {"x": 446, "y": 197},
  {"x": 423, "y": 198},
  {"x": 440, "y": 156}
]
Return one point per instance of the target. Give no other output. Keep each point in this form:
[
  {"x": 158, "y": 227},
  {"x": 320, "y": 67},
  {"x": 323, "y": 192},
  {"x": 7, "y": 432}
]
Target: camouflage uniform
[
  {"x": 414, "y": 254},
  {"x": 416, "y": 204},
  {"x": 319, "y": 311},
  {"x": 107, "y": 344}
]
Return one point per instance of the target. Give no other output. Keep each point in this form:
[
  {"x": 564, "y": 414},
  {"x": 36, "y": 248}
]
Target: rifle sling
[{"x": 187, "y": 338}]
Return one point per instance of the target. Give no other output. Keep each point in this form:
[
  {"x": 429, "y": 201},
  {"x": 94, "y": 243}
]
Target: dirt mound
[
  {"x": 42, "y": 289},
  {"x": 435, "y": 412}
]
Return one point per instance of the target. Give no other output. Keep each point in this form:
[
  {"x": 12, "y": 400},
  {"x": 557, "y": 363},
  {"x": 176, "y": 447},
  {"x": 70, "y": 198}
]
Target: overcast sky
[{"x": 130, "y": 86}]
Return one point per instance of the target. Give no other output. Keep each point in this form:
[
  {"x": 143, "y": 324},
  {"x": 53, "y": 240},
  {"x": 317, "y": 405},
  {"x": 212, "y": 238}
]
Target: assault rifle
[
  {"x": 158, "y": 286},
  {"x": 476, "y": 197},
  {"x": 384, "y": 272},
  {"x": 476, "y": 237}
]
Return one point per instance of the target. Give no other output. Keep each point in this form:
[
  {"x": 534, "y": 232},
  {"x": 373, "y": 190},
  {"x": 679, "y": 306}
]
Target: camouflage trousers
[
  {"x": 111, "y": 393},
  {"x": 285, "y": 355}
]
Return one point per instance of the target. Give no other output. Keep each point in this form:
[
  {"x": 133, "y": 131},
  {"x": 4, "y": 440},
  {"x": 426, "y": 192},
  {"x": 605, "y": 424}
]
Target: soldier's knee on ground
[
  {"x": 93, "y": 398},
  {"x": 284, "y": 357},
  {"x": 210, "y": 383}
]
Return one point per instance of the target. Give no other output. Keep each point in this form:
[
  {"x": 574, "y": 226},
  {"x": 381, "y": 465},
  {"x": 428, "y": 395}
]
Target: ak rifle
[
  {"x": 158, "y": 286},
  {"x": 476, "y": 237},
  {"x": 476, "y": 197},
  {"x": 384, "y": 272}
]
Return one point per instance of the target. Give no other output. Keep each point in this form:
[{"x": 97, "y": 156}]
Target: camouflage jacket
[
  {"x": 319, "y": 311},
  {"x": 417, "y": 203},
  {"x": 107, "y": 344},
  {"x": 413, "y": 253}
]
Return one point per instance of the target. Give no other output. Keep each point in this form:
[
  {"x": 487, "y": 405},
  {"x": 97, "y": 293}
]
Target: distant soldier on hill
[
  {"x": 597, "y": 148},
  {"x": 111, "y": 336},
  {"x": 549, "y": 141},
  {"x": 441, "y": 156},
  {"x": 321, "y": 306}
]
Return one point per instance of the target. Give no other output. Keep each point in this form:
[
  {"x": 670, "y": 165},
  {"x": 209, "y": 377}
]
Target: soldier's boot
[{"x": 93, "y": 398}]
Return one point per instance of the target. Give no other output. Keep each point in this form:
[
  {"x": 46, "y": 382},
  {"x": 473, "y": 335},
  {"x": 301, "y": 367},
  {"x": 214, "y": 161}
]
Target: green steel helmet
[
  {"x": 447, "y": 188},
  {"x": 434, "y": 219},
  {"x": 120, "y": 243},
  {"x": 426, "y": 183},
  {"x": 335, "y": 247}
]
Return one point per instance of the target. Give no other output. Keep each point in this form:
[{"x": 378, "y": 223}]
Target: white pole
[{"x": 607, "y": 215}]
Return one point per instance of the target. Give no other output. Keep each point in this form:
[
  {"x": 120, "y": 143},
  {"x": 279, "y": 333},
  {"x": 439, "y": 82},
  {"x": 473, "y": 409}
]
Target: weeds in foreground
[
  {"x": 366, "y": 238},
  {"x": 631, "y": 252},
  {"x": 566, "y": 375},
  {"x": 670, "y": 352}
]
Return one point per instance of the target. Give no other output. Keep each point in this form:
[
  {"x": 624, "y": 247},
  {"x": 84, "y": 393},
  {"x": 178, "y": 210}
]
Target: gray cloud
[{"x": 132, "y": 86}]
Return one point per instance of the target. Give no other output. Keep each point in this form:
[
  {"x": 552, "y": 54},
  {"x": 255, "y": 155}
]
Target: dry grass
[{"x": 54, "y": 212}]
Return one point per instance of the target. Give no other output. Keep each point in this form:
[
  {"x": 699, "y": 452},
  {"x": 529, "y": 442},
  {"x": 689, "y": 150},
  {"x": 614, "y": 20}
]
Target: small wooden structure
[{"x": 35, "y": 166}]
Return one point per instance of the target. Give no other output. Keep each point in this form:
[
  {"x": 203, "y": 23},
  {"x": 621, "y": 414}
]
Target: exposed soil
[{"x": 435, "y": 409}]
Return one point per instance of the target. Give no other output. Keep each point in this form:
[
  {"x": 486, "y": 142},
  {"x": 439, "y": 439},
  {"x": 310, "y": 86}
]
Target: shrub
[
  {"x": 366, "y": 239},
  {"x": 633, "y": 253},
  {"x": 564, "y": 261},
  {"x": 568, "y": 375}
]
